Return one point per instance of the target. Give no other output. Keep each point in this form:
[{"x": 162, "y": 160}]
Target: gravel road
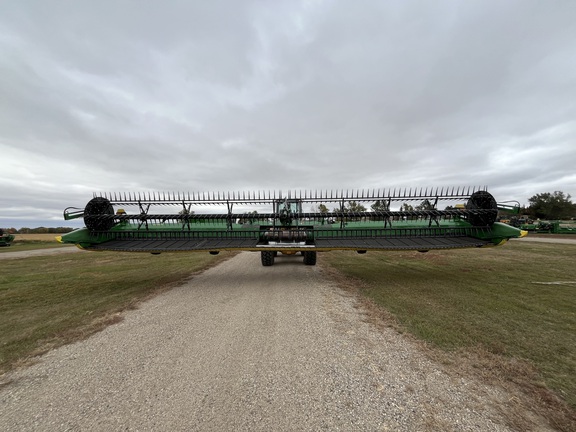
[
  {"x": 246, "y": 348},
  {"x": 38, "y": 252},
  {"x": 557, "y": 240}
]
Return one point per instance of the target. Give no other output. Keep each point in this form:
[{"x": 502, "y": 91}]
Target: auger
[{"x": 276, "y": 222}]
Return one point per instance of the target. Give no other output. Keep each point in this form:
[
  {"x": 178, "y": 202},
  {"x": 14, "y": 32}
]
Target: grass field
[
  {"x": 517, "y": 301},
  {"x": 49, "y": 238},
  {"x": 24, "y": 242},
  {"x": 51, "y": 300}
]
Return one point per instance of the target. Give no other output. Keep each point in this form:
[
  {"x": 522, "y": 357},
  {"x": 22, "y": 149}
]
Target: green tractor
[
  {"x": 178, "y": 222},
  {"x": 5, "y": 238}
]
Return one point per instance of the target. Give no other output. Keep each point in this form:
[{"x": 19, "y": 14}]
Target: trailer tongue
[{"x": 276, "y": 222}]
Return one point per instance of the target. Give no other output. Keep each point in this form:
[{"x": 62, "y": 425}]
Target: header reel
[{"x": 402, "y": 220}]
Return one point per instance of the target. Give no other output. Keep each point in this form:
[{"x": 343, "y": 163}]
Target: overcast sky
[{"x": 243, "y": 95}]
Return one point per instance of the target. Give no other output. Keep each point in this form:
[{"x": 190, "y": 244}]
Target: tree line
[
  {"x": 556, "y": 206},
  {"x": 39, "y": 230},
  {"x": 548, "y": 205}
]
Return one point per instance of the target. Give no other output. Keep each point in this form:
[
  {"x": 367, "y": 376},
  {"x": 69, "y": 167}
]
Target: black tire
[
  {"x": 309, "y": 258},
  {"x": 267, "y": 258}
]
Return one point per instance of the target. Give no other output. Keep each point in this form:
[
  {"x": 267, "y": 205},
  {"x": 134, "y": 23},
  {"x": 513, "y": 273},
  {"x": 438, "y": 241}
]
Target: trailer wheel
[
  {"x": 267, "y": 258},
  {"x": 309, "y": 258}
]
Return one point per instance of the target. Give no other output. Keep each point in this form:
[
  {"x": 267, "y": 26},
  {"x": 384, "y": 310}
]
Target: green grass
[
  {"x": 48, "y": 301},
  {"x": 503, "y": 300},
  {"x": 31, "y": 245}
]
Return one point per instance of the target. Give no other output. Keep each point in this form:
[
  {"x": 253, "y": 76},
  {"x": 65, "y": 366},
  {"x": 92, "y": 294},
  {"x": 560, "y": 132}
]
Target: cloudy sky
[{"x": 241, "y": 95}]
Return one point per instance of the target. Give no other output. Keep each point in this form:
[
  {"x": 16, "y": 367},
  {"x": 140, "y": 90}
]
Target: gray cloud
[{"x": 230, "y": 95}]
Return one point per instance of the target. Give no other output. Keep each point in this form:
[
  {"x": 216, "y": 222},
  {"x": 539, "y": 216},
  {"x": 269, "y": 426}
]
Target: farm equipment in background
[
  {"x": 545, "y": 226},
  {"x": 173, "y": 222},
  {"x": 5, "y": 238}
]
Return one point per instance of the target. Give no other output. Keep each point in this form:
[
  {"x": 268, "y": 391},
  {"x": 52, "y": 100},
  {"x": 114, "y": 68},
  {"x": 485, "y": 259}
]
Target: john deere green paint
[
  {"x": 291, "y": 222},
  {"x": 5, "y": 238}
]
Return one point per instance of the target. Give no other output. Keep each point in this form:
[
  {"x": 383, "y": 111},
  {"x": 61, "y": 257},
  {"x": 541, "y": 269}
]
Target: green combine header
[
  {"x": 5, "y": 238},
  {"x": 277, "y": 222}
]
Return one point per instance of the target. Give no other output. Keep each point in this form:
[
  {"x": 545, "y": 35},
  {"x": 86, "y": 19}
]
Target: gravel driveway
[
  {"x": 246, "y": 348},
  {"x": 38, "y": 252}
]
